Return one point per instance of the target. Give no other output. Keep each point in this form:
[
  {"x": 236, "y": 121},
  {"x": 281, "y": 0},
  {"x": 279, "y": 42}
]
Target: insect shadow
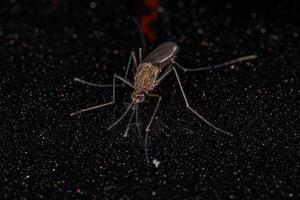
[{"x": 150, "y": 72}]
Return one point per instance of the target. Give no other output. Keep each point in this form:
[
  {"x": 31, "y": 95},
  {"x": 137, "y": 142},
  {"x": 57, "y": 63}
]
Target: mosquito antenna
[{"x": 120, "y": 117}]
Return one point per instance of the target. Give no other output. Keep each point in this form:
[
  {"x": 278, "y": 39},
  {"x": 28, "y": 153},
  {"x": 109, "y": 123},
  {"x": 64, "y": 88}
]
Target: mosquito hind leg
[
  {"x": 105, "y": 104},
  {"x": 194, "y": 111},
  {"x": 241, "y": 59}
]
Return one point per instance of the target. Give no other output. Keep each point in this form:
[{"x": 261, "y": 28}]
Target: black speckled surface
[{"x": 46, "y": 154}]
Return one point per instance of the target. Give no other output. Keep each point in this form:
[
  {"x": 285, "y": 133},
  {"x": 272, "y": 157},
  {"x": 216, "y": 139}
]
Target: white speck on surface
[
  {"x": 93, "y": 5},
  {"x": 156, "y": 163}
]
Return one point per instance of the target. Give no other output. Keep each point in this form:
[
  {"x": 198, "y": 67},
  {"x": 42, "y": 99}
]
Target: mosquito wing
[{"x": 162, "y": 54}]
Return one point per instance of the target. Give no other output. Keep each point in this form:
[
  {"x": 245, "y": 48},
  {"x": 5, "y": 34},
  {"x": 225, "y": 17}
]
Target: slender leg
[
  {"x": 164, "y": 75},
  {"x": 194, "y": 111},
  {"x": 129, "y": 107},
  {"x": 142, "y": 36},
  {"x": 155, "y": 110},
  {"x": 134, "y": 59},
  {"x": 128, "y": 124},
  {"x": 162, "y": 123},
  {"x": 140, "y": 55},
  {"x": 124, "y": 81},
  {"x": 149, "y": 124},
  {"x": 101, "y": 86},
  {"x": 250, "y": 57},
  {"x": 93, "y": 84},
  {"x": 131, "y": 57},
  {"x": 105, "y": 104},
  {"x": 137, "y": 120},
  {"x": 145, "y": 146}
]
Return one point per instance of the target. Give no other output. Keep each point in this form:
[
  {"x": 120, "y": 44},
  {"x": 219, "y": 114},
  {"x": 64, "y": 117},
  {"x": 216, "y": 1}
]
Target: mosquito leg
[
  {"x": 142, "y": 36},
  {"x": 93, "y": 84},
  {"x": 165, "y": 74},
  {"x": 241, "y": 59},
  {"x": 140, "y": 55},
  {"x": 194, "y": 111},
  {"x": 134, "y": 59},
  {"x": 105, "y": 104},
  {"x": 91, "y": 108},
  {"x": 131, "y": 57},
  {"x": 145, "y": 147},
  {"x": 124, "y": 81},
  {"x": 149, "y": 124},
  {"x": 137, "y": 120},
  {"x": 162, "y": 123},
  {"x": 129, "y": 107},
  {"x": 102, "y": 86},
  {"x": 155, "y": 110},
  {"x": 128, "y": 124}
]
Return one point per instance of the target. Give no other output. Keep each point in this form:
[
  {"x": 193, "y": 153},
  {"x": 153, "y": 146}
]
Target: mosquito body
[
  {"x": 148, "y": 71},
  {"x": 149, "y": 74}
]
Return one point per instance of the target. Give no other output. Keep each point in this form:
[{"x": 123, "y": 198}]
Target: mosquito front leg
[
  {"x": 194, "y": 111},
  {"x": 124, "y": 114},
  {"x": 150, "y": 122},
  {"x": 155, "y": 110},
  {"x": 241, "y": 59},
  {"x": 94, "y": 84},
  {"x": 105, "y": 104},
  {"x": 137, "y": 120},
  {"x": 131, "y": 57},
  {"x": 129, "y": 124}
]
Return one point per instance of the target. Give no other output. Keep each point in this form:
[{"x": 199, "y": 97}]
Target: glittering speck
[{"x": 156, "y": 163}]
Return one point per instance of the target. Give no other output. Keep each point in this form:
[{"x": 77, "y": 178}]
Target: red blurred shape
[
  {"x": 145, "y": 20},
  {"x": 55, "y": 2}
]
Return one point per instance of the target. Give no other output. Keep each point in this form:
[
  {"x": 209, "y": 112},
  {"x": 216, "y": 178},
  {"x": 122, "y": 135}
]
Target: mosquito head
[{"x": 137, "y": 98}]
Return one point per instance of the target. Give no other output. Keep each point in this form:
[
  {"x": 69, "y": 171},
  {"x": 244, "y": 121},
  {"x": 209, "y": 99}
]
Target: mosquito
[{"x": 150, "y": 72}]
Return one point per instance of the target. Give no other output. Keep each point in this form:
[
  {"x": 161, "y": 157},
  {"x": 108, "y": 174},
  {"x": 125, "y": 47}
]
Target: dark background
[{"x": 44, "y": 153}]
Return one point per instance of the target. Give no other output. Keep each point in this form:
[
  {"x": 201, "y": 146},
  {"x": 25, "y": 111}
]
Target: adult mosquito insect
[{"x": 150, "y": 72}]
